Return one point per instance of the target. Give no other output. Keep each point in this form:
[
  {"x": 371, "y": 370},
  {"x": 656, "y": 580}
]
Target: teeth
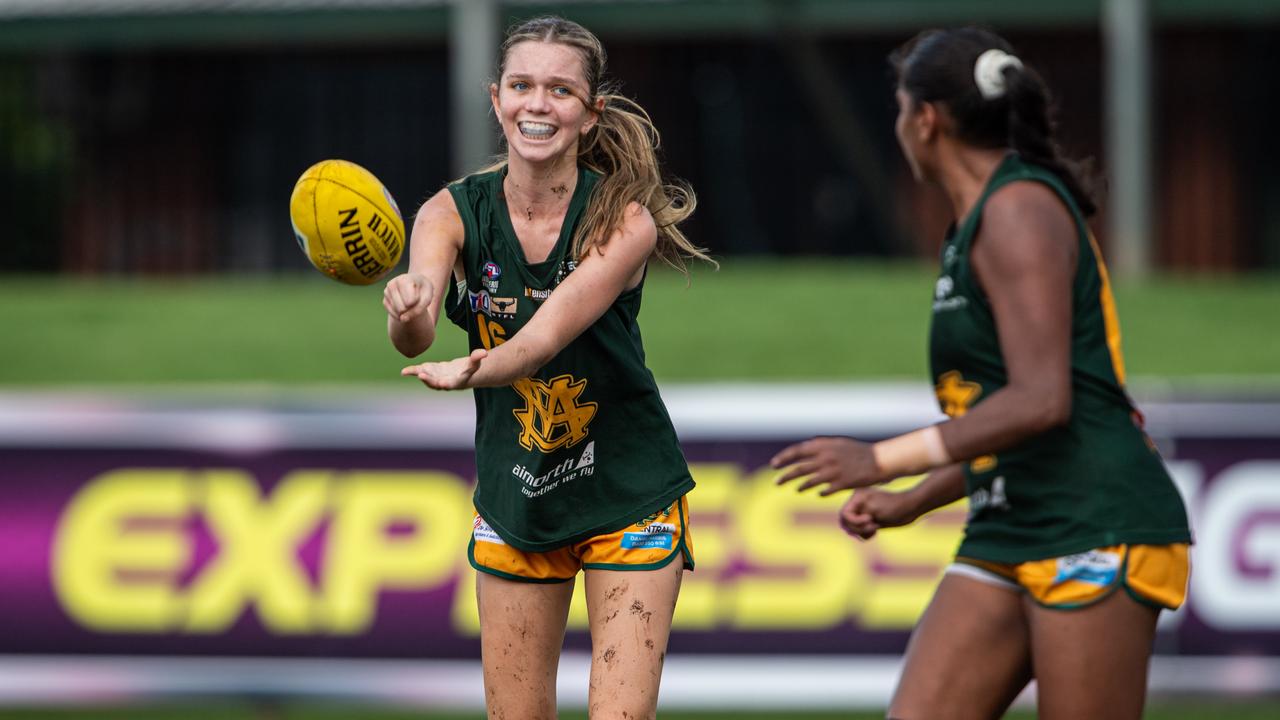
[{"x": 533, "y": 129}]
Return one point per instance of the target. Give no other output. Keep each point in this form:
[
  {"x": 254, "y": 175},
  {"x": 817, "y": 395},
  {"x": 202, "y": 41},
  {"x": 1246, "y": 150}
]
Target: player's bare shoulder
[
  {"x": 1027, "y": 218},
  {"x": 438, "y": 219},
  {"x": 638, "y": 227}
]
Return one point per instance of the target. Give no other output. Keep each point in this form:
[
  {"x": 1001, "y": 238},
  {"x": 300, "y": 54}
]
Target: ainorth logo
[{"x": 552, "y": 417}]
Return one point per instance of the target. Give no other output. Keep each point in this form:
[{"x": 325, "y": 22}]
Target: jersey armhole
[
  {"x": 1064, "y": 197},
  {"x": 455, "y": 299}
]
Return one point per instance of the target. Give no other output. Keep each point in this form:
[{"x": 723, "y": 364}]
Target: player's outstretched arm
[
  {"x": 841, "y": 463},
  {"x": 577, "y": 302},
  {"x": 413, "y": 300}
]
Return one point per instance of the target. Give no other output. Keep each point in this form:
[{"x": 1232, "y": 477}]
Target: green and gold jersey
[
  {"x": 584, "y": 446},
  {"x": 1093, "y": 482}
]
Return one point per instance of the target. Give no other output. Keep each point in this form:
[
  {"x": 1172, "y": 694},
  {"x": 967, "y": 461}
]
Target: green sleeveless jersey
[
  {"x": 584, "y": 447},
  {"x": 1093, "y": 482}
]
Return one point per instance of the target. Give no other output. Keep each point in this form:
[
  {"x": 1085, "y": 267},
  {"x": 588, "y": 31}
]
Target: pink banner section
[{"x": 359, "y": 551}]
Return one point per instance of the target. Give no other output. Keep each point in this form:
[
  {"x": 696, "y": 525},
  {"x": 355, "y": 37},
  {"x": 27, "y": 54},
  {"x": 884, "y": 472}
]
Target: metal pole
[
  {"x": 473, "y": 47},
  {"x": 1126, "y": 26}
]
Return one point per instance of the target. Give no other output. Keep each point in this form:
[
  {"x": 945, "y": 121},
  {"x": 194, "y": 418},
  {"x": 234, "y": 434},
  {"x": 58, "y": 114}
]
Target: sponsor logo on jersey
[
  {"x": 647, "y": 541},
  {"x": 537, "y": 294},
  {"x": 491, "y": 272},
  {"x": 942, "y": 300},
  {"x": 553, "y": 415},
  {"x": 499, "y": 307},
  {"x": 588, "y": 456},
  {"x": 481, "y": 531},
  {"x": 655, "y": 528},
  {"x": 1096, "y": 567},
  {"x": 992, "y": 499},
  {"x": 943, "y": 287},
  {"x": 652, "y": 518},
  {"x": 566, "y": 267},
  {"x": 558, "y": 476}
]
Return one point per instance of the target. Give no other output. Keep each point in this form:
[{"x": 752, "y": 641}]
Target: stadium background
[{"x": 216, "y": 495}]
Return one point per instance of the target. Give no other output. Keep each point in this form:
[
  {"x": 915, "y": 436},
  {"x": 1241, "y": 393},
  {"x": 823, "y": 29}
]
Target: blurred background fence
[
  {"x": 124, "y": 125},
  {"x": 178, "y": 388}
]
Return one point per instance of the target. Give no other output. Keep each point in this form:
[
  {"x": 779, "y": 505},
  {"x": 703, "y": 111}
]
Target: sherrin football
[{"x": 346, "y": 222}]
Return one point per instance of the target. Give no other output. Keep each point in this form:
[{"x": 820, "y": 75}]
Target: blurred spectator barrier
[{"x": 336, "y": 529}]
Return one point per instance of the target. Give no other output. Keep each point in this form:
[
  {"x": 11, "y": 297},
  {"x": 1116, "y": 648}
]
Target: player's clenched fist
[
  {"x": 870, "y": 509},
  {"x": 407, "y": 296}
]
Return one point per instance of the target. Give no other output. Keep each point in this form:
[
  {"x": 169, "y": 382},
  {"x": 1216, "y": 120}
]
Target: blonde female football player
[
  {"x": 541, "y": 258},
  {"x": 1076, "y": 535}
]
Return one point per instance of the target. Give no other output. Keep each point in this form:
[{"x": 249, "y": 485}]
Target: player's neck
[
  {"x": 964, "y": 174},
  {"x": 541, "y": 189}
]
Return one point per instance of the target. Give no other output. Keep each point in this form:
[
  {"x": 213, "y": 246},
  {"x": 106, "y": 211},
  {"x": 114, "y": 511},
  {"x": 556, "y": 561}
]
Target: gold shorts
[
  {"x": 650, "y": 543},
  {"x": 1154, "y": 575}
]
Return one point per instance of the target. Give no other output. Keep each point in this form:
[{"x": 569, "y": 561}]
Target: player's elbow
[
  {"x": 406, "y": 343},
  {"x": 534, "y": 359},
  {"x": 409, "y": 351},
  {"x": 533, "y": 351}
]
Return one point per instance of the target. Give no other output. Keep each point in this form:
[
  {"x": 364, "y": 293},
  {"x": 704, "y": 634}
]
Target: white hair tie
[{"x": 988, "y": 72}]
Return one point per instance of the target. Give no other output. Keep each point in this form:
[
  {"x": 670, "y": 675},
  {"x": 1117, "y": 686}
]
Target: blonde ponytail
[{"x": 622, "y": 148}]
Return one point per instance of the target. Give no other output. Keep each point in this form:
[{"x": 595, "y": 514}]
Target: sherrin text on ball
[{"x": 346, "y": 222}]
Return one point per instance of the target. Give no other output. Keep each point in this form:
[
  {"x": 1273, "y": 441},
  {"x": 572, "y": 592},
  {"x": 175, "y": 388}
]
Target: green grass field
[{"x": 752, "y": 320}]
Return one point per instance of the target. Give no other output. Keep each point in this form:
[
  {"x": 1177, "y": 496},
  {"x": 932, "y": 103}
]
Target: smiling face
[{"x": 541, "y": 101}]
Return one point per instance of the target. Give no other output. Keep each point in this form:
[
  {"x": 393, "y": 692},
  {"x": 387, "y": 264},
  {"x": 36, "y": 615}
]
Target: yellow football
[{"x": 347, "y": 223}]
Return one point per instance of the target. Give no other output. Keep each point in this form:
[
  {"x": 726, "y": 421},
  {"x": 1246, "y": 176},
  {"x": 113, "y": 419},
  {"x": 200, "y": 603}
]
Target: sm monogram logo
[
  {"x": 955, "y": 394},
  {"x": 552, "y": 417}
]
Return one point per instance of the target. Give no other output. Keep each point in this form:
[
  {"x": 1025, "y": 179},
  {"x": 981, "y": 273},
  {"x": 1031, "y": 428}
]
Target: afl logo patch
[{"x": 491, "y": 271}]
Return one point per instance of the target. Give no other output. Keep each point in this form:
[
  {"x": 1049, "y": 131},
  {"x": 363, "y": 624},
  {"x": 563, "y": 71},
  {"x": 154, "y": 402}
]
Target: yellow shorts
[
  {"x": 1154, "y": 575},
  {"x": 650, "y": 543}
]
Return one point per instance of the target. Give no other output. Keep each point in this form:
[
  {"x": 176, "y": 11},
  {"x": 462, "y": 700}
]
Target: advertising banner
[{"x": 172, "y": 529}]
